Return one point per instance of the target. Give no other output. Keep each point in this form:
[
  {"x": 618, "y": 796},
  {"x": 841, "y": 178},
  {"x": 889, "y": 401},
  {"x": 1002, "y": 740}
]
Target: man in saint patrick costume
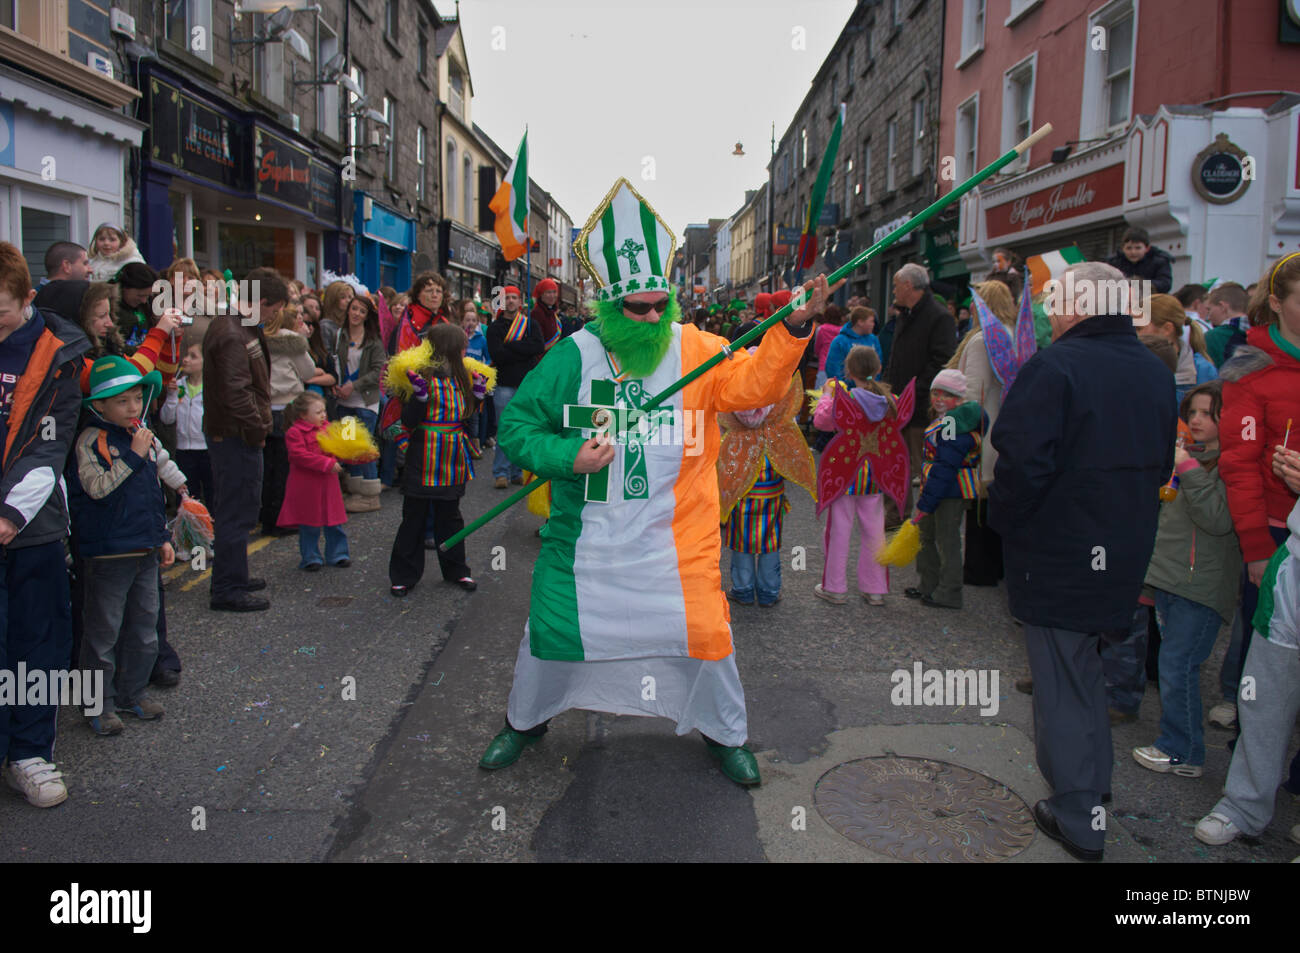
[{"x": 628, "y": 614}]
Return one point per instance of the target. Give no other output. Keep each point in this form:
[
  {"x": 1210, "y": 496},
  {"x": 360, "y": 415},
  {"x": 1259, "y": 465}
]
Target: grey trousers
[
  {"x": 1260, "y": 757},
  {"x": 1071, "y": 728},
  {"x": 120, "y": 628},
  {"x": 939, "y": 561}
]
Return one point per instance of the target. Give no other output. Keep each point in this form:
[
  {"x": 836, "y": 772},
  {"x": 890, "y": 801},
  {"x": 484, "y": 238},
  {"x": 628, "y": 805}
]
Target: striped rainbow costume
[
  {"x": 754, "y": 526},
  {"x": 438, "y": 442}
]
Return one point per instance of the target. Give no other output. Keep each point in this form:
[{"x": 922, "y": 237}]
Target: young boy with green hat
[{"x": 121, "y": 523}]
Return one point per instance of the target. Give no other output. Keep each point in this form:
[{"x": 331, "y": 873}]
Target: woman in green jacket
[{"x": 1194, "y": 578}]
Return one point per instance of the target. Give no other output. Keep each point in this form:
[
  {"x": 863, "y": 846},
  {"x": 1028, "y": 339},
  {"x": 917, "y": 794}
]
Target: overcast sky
[{"x": 602, "y": 84}]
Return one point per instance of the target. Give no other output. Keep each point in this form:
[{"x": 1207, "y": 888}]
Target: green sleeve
[
  {"x": 1207, "y": 501},
  {"x": 531, "y": 428}
]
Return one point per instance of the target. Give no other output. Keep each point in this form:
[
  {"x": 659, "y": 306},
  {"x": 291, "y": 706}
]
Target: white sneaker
[
  {"x": 1224, "y": 715},
  {"x": 37, "y": 780},
  {"x": 874, "y": 598},
  {"x": 1156, "y": 760},
  {"x": 1216, "y": 829},
  {"x": 834, "y": 598}
]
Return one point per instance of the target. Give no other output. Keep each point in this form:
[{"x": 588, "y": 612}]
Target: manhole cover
[
  {"x": 334, "y": 602},
  {"x": 924, "y": 811}
]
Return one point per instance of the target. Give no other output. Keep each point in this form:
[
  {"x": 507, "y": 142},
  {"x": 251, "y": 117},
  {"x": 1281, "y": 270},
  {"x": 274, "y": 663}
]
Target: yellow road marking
[{"x": 253, "y": 547}]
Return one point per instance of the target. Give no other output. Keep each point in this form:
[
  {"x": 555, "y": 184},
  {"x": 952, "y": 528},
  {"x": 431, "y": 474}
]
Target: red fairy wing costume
[{"x": 857, "y": 437}]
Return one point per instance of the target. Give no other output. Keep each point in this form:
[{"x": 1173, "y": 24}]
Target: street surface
[{"x": 261, "y": 758}]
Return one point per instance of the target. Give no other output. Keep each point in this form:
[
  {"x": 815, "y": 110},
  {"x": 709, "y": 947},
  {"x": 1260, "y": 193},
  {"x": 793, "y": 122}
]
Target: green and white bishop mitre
[{"x": 627, "y": 611}]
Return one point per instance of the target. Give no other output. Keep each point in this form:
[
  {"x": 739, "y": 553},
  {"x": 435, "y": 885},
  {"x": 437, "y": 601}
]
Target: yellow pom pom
[
  {"x": 539, "y": 501},
  {"x": 902, "y": 547},
  {"x": 483, "y": 370},
  {"x": 412, "y": 359},
  {"x": 349, "y": 441}
]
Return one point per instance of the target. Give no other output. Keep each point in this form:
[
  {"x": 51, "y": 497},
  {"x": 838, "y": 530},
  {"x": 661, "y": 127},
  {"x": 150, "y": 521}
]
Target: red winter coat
[
  {"x": 311, "y": 496},
  {"x": 1261, "y": 392}
]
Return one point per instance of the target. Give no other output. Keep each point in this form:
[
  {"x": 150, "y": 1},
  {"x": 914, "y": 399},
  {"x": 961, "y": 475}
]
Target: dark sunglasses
[{"x": 643, "y": 307}]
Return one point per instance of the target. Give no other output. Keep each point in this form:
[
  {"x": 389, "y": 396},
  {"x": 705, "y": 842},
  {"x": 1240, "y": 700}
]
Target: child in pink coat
[
  {"x": 312, "y": 498},
  {"x": 862, "y": 503}
]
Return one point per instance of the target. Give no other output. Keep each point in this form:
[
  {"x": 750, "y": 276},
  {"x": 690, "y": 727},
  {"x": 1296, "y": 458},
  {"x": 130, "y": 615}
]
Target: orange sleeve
[{"x": 157, "y": 350}]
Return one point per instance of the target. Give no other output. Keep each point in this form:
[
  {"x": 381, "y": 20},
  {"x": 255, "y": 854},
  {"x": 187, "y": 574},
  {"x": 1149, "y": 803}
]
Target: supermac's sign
[{"x": 1089, "y": 193}]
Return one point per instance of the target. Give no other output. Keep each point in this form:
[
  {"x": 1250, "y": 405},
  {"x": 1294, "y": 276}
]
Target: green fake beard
[{"x": 638, "y": 345}]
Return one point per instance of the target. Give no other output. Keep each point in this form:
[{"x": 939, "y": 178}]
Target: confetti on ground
[
  {"x": 439, "y": 681},
  {"x": 222, "y": 768},
  {"x": 308, "y": 650}
]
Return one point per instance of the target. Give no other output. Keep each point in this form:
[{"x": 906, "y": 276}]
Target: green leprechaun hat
[
  {"x": 111, "y": 375},
  {"x": 625, "y": 246}
]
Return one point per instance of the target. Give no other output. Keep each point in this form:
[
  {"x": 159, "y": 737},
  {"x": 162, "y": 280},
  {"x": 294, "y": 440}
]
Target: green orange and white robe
[{"x": 632, "y": 587}]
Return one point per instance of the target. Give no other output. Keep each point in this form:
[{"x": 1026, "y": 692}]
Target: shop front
[
  {"x": 1219, "y": 191},
  {"x": 468, "y": 263},
  {"x": 63, "y": 162},
  {"x": 230, "y": 190},
  {"x": 385, "y": 241},
  {"x": 948, "y": 272},
  {"x": 1075, "y": 202},
  {"x": 883, "y": 266}
]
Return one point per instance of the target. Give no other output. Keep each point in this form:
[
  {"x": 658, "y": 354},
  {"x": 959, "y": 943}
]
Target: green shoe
[
  {"x": 506, "y": 748},
  {"x": 738, "y": 764}
]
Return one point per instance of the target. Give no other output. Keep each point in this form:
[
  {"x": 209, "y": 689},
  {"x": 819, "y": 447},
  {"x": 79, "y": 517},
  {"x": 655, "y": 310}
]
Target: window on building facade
[
  {"x": 849, "y": 186},
  {"x": 972, "y": 27},
  {"x": 848, "y": 68},
  {"x": 420, "y": 171},
  {"x": 918, "y": 135},
  {"x": 354, "y": 128},
  {"x": 467, "y": 183},
  {"x": 803, "y": 147},
  {"x": 390, "y": 18},
  {"x": 456, "y": 94},
  {"x": 188, "y": 24},
  {"x": 835, "y": 89},
  {"x": 268, "y": 65},
  {"x": 1108, "y": 70},
  {"x": 1119, "y": 70},
  {"x": 968, "y": 120},
  {"x": 1018, "y": 105},
  {"x": 866, "y": 172},
  {"x": 891, "y": 154},
  {"x": 390, "y": 164},
  {"x": 422, "y": 51},
  {"x": 327, "y": 96},
  {"x": 449, "y": 193},
  {"x": 1021, "y": 6},
  {"x": 896, "y": 11}
]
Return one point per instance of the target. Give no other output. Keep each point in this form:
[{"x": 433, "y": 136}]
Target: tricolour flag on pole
[
  {"x": 808, "y": 240},
  {"x": 511, "y": 205},
  {"x": 1043, "y": 268}
]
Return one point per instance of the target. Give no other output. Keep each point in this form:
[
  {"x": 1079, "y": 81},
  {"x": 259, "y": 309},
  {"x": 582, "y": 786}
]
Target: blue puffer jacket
[
  {"x": 844, "y": 342},
  {"x": 116, "y": 500}
]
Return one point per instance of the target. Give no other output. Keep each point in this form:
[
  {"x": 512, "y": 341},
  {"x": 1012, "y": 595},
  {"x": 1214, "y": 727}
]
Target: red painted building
[{"x": 1130, "y": 87}]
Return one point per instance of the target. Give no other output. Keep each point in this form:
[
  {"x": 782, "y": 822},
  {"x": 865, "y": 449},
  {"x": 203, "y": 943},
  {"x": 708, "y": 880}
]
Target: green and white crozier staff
[{"x": 656, "y": 282}]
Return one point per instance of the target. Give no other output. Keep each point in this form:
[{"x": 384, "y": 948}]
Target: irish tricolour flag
[
  {"x": 511, "y": 205},
  {"x": 1043, "y": 268}
]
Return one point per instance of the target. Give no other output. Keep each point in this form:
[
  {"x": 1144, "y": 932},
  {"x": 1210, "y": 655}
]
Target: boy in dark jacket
[
  {"x": 40, "y": 360},
  {"x": 117, "y": 505},
  {"x": 1137, "y": 258},
  {"x": 950, "y": 478}
]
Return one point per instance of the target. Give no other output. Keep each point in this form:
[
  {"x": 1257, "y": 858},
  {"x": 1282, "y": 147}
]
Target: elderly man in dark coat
[
  {"x": 1085, "y": 440},
  {"x": 924, "y": 338}
]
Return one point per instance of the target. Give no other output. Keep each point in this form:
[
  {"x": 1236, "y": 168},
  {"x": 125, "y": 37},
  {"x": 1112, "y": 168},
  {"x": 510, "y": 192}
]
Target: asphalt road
[{"x": 261, "y": 757}]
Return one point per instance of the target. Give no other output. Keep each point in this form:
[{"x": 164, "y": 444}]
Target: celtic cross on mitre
[
  {"x": 629, "y": 250},
  {"x": 630, "y": 426}
]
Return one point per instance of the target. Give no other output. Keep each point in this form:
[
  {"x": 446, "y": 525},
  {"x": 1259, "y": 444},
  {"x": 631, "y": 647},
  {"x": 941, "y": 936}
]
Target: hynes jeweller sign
[{"x": 1090, "y": 193}]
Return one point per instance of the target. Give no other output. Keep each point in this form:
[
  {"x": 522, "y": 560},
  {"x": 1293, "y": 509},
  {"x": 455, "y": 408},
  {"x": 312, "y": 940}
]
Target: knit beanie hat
[
  {"x": 779, "y": 300},
  {"x": 950, "y": 380},
  {"x": 762, "y": 304}
]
